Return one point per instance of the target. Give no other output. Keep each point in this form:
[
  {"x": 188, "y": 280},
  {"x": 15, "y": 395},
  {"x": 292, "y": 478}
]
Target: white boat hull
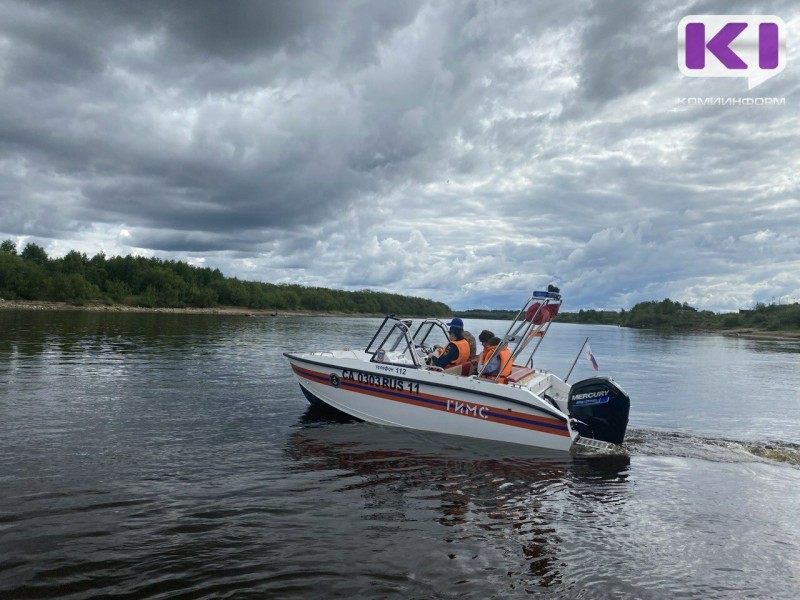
[{"x": 434, "y": 401}]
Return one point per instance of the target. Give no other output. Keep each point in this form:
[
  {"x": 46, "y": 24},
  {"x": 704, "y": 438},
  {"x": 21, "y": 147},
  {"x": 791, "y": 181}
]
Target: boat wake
[
  {"x": 687, "y": 445},
  {"x": 640, "y": 442}
]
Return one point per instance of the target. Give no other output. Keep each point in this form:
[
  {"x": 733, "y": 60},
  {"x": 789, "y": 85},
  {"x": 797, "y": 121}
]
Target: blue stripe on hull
[{"x": 495, "y": 415}]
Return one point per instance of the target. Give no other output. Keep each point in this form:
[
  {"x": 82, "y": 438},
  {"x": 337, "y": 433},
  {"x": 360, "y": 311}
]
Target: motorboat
[{"x": 393, "y": 383}]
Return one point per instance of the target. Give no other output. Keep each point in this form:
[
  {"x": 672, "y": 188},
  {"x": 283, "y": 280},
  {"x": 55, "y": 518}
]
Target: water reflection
[
  {"x": 500, "y": 494},
  {"x": 770, "y": 345},
  {"x": 32, "y": 333}
]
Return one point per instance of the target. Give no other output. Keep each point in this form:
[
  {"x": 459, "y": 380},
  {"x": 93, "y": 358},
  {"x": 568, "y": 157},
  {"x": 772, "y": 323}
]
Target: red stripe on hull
[{"x": 506, "y": 417}]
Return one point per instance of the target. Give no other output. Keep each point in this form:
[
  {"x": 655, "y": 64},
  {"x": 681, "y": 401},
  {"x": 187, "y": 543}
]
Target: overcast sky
[{"x": 468, "y": 152}]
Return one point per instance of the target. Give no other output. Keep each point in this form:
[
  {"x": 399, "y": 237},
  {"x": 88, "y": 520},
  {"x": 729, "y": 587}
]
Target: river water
[{"x": 173, "y": 456}]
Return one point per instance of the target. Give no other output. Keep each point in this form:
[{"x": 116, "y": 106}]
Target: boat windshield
[
  {"x": 429, "y": 333},
  {"x": 392, "y": 344}
]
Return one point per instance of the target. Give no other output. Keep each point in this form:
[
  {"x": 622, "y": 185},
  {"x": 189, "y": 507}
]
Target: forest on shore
[
  {"x": 138, "y": 281},
  {"x": 154, "y": 283},
  {"x": 670, "y": 315}
]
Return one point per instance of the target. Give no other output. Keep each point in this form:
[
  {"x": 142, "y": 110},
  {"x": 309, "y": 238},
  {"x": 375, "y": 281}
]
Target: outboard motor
[{"x": 600, "y": 409}]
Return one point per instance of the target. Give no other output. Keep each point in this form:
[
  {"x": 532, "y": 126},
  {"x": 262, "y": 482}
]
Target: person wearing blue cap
[
  {"x": 457, "y": 322},
  {"x": 458, "y": 351}
]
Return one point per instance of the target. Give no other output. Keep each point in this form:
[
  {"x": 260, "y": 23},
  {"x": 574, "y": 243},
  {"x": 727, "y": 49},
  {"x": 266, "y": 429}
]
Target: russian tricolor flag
[{"x": 587, "y": 350}]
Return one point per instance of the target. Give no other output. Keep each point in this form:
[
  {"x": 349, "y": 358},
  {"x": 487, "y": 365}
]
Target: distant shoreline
[
  {"x": 46, "y": 305},
  {"x": 754, "y": 333}
]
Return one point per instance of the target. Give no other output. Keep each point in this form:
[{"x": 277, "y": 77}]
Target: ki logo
[{"x": 751, "y": 46}]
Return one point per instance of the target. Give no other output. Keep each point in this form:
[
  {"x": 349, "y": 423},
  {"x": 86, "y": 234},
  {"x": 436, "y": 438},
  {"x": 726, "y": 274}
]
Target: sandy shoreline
[
  {"x": 42, "y": 305},
  {"x": 759, "y": 334}
]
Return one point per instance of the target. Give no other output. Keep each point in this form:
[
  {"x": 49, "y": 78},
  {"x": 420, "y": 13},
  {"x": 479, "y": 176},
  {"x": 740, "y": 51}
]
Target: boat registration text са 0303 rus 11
[{"x": 381, "y": 381}]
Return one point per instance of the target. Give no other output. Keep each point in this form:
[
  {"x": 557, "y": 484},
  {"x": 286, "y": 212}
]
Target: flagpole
[{"x": 576, "y": 359}]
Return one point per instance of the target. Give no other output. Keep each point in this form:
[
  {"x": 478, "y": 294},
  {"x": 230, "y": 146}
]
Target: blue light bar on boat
[{"x": 546, "y": 295}]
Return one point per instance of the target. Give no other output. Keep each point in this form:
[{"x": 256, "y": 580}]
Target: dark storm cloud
[
  {"x": 194, "y": 31},
  {"x": 620, "y": 46},
  {"x": 80, "y": 100}
]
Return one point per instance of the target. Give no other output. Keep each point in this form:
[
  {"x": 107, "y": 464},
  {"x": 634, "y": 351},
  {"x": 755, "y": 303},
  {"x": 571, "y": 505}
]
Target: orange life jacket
[
  {"x": 505, "y": 362},
  {"x": 486, "y": 354},
  {"x": 463, "y": 353}
]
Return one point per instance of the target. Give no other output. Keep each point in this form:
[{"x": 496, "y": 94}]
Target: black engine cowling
[{"x": 600, "y": 408}]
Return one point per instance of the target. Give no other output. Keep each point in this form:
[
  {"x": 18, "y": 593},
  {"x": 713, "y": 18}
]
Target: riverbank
[
  {"x": 757, "y": 333},
  {"x": 43, "y": 305}
]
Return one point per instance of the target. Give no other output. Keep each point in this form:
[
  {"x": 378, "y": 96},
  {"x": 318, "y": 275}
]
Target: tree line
[
  {"x": 155, "y": 283},
  {"x": 670, "y": 315}
]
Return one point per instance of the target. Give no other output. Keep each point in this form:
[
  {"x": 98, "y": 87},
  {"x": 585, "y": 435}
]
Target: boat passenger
[
  {"x": 483, "y": 338},
  {"x": 457, "y": 322},
  {"x": 455, "y": 353},
  {"x": 500, "y": 364}
]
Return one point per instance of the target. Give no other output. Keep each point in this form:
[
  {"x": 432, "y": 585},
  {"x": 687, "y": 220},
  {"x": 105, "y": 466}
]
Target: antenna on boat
[{"x": 576, "y": 359}]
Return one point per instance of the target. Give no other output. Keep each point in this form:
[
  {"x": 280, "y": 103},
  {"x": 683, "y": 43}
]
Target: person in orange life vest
[
  {"x": 457, "y": 322},
  {"x": 455, "y": 353},
  {"x": 501, "y": 360},
  {"x": 481, "y": 358}
]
